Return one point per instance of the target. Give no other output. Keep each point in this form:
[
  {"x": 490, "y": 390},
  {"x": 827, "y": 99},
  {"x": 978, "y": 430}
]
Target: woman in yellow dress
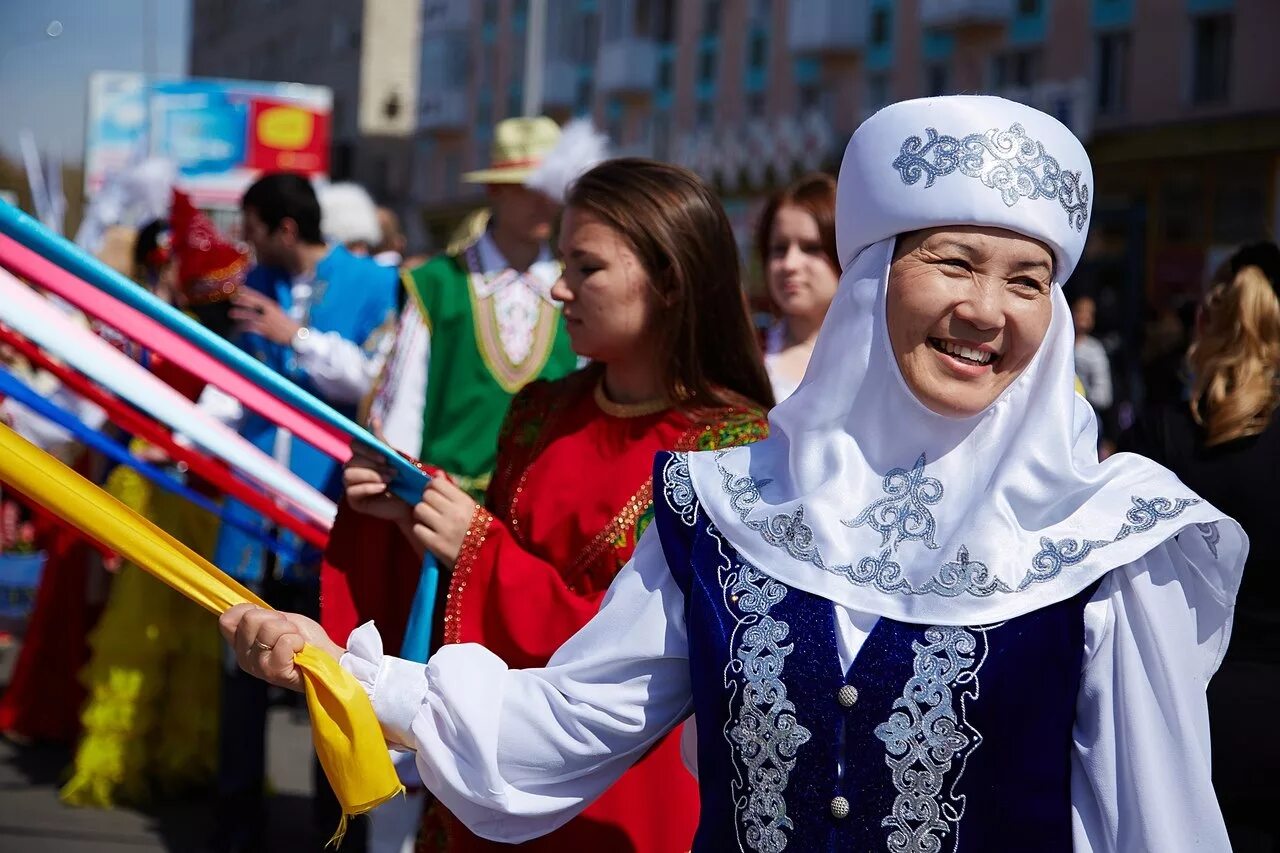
[{"x": 154, "y": 656}]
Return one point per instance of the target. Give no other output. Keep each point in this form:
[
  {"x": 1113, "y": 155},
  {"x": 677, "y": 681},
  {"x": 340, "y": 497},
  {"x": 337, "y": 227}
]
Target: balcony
[
  {"x": 443, "y": 110},
  {"x": 948, "y": 14},
  {"x": 627, "y": 66},
  {"x": 827, "y": 27},
  {"x": 559, "y": 85}
]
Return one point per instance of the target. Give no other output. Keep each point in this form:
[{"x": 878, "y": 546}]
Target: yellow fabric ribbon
[{"x": 347, "y": 737}]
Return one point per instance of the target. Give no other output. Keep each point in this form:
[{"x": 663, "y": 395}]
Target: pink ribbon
[{"x": 147, "y": 332}]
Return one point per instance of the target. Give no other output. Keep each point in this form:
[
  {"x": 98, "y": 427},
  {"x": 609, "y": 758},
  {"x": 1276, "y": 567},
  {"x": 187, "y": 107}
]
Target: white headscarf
[{"x": 863, "y": 495}]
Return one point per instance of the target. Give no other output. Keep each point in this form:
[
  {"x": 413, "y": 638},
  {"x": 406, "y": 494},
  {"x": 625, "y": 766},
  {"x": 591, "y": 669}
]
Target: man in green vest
[{"x": 480, "y": 323}]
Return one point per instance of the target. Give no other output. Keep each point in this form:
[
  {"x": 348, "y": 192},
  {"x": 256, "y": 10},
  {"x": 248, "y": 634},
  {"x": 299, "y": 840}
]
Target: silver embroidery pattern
[
  {"x": 1054, "y": 556},
  {"x": 1005, "y": 160},
  {"x": 927, "y": 734},
  {"x": 962, "y": 576},
  {"x": 763, "y": 734},
  {"x": 677, "y": 487},
  {"x": 1211, "y": 535},
  {"x": 903, "y": 513}
]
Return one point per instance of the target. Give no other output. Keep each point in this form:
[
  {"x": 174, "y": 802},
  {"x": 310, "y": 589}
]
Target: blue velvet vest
[{"x": 938, "y": 738}]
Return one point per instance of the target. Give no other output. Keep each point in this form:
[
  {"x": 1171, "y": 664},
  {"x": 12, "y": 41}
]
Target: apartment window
[
  {"x": 1211, "y": 59},
  {"x": 710, "y": 17},
  {"x": 937, "y": 79},
  {"x": 515, "y": 99},
  {"x": 758, "y": 49},
  {"x": 1017, "y": 69},
  {"x": 590, "y": 38},
  {"x": 582, "y": 99},
  {"x": 880, "y": 21},
  {"x": 664, "y": 23},
  {"x": 666, "y": 74},
  {"x": 756, "y": 105},
  {"x": 1028, "y": 8},
  {"x": 707, "y": 66},
  {"x": 490, "y": 13},
  {"x": 1113, "y": 72}
]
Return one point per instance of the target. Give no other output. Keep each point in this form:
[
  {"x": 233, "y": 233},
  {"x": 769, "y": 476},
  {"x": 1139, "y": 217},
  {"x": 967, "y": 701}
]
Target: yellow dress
[{"x": 150, "y": 724}]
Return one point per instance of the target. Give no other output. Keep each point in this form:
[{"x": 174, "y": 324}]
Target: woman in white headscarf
[{"x": 921, "y": 616}]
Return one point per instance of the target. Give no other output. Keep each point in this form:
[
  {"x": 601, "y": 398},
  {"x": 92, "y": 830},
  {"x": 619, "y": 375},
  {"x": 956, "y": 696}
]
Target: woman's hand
[
  {"x": 265, "y": 642},
  {"x": 441, "y": 519},
  {"x": 365, "y": 478}
]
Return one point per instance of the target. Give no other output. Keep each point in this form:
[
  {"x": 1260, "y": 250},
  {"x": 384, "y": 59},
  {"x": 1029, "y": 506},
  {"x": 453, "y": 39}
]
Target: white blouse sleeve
[
  {"x": 1155, "y": 632},
  {"x": 342, "y": 370},
  {"x": 515, "y": 754}
]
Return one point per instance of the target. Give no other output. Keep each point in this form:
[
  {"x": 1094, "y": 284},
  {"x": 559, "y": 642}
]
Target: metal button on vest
[
  {"x": 839, "y": 808},
  {"x": 847, "y": 695}
]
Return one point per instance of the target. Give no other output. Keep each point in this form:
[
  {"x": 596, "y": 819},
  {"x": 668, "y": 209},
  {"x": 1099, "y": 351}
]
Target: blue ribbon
[
  {"x": 417, "y": 633},
  {"x": 13, "y": 387},
  {"x": 30, "y": 233}
]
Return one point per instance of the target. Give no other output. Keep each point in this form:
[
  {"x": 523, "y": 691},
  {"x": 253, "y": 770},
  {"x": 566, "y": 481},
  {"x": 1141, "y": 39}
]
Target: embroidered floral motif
[
  {"x": 515, "y": 323},
  {"x": 744, "y": 428},
  {"x": 925, "y": 736},
  {"x": 1008, "y": 161},
  {"x": 764, "y": 733},
  {"x": 903, "y": 513},
  {"x": 1053, "y": 556},
  {"x": 677, "y": 488},
  {"x": 962, "y": 576},
  {"x": 1211, "y": 535}
]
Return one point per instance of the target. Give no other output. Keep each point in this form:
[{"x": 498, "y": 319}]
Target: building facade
[
  {"x": 1176, "y": 99},
  {"x": 367, "y": 51}
]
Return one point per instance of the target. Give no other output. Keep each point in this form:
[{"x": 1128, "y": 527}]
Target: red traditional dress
[{"x": 569, "y": 499}]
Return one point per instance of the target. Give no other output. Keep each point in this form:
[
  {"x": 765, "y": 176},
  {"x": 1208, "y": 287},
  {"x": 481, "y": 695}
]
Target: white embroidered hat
[
  {"x": 964, "y": 160},
  {"x": 863, "y": 495}
]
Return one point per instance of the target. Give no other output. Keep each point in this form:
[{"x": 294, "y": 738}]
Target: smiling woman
[
  {"x": 967, "y": 310},
  {"x": 921, "y": 610}
]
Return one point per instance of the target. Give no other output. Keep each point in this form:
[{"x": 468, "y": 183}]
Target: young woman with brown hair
[
  {"x": 651, "y": 295},
  {"x": 1225, "y": 444},
  {"x": 796, "y": 240}
]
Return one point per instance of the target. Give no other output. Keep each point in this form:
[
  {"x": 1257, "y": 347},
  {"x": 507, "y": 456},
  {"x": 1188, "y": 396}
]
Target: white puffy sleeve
[
  {"x": 515, "y": 754},
  {"x": 1155, "y": 632}
]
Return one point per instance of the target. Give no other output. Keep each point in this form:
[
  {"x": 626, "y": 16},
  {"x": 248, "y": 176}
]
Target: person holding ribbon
[
  {"x": 480, "y": 324},
  {"x": 921, "y": 614},
  {"x": 321, "y": 317},
  {"x": 660, "y": 314}
]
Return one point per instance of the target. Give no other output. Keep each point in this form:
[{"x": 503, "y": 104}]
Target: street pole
[{"x": 534, "y": 54}]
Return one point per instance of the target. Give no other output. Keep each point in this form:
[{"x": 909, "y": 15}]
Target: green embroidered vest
[{"x": 470, "y": 378}]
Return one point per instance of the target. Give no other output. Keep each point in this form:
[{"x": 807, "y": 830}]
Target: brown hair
[
  {"x": 1236, "y": 358},
  {"x": 815, "y": 194},
  {"x": 679, "y": 231}
]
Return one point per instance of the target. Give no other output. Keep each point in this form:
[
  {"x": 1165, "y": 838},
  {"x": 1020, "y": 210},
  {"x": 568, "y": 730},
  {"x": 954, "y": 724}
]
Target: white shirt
[{"x": 516, "y": 753}]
